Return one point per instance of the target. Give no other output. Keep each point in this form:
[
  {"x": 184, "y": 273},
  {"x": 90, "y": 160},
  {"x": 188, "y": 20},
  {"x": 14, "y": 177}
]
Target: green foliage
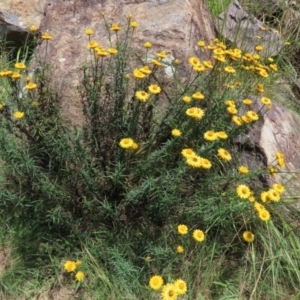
[{"x": 85, "y": 194}]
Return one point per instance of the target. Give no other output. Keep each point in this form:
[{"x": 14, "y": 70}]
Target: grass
[{"x": 84, "y": 195}]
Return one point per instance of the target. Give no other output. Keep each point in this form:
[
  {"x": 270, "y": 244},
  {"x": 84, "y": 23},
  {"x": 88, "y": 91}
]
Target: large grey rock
[
  {"x": 171, "y": 25},
  {"x": 242, "y": 28}
]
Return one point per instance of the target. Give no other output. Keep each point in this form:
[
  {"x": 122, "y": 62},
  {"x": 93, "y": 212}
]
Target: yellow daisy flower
[
  {"x": 154, "y": 89},
  {"x": 169, "y": 292},
  {"x": 186, "y": 99},
  {"x": 142, "y": 96},
  {"x": 181, "y": 286},
  {"x": 229, "y": 69},
  {"x": 126, "y": 143},
  {"x": 115, "y": 27},
  {"x": 156, "y": 282},
  {"x": 182, "y": 229},
  {"x": 147, "y": 45},
  {"x": 243, "y": 191},
  {"x": 264, "y": 215},
  {"x": 248, "y": 236},
  {"x": 198, "y": 96},
  {"x": 179, "y": 249},
  {"x": 19, "y": 115},
  {"x": 79, "y": 276},
  {"x": 194, "y": 162},
  {"x": 188, "y": 153},
  {"x": 243, "y": 170},
  {"x": 224, "y": 154},
  {"x": 176, "y": 133},
  {"x": 46, "y": 36},
  {"x": 70, "y": 266},
  {"x": 89, "y": 31},
  {"x": 198, "y": 235},
  {"x": 138, "y": 74},
  {"x": 210, "y": 135},
  {"x": 20, "y": 65}
]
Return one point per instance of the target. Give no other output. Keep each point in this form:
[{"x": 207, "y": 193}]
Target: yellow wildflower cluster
[
  {"x": 194, "y": 160},
  {"x": 169, "y": 291},
  {"x": 128, "y": 143},
  {"x": 70, "y": 266}
]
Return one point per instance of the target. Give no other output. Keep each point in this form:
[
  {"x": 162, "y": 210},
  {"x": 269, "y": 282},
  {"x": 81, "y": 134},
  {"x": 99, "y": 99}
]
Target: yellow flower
[
  {"x": 154, "y": 89},
  {"x": 182, "y": 229},
  {"x": 224, "y": 154},
  {"x": 218, "y": 51},
  {"x": 252, "y": 115},
  {"x": 247, "y": 101},
  {"x": 264, "y": 196},
  {"x": 229, "y": 69},
  {"x": 31, "y": 86},
  {"x": 169, "y": 292},
  {"x": 205, "y": 163},
  {"x": 274, "y": 67},
  {"x": 222, "y": 135},
  {"x": 115, "y": 27},
  {"x": 198, "y": 235},
  {"x": 198, "y": 96},
  {"x": 243, "y": 170},
  {"x": 79, "y": 276},
  {"x": 263, "y": 73},
  {"x": 20, "y": 65},
  {"x": 246, "y": 119},
  {"x": 6, "y": 73},
  {"x": 210, "y": 135},
  {"x": 265, "y": 101},
  {"x": 161, "y": 54},
  {"x": 188, "y": 153},
  {"x": 126, "y": 143},
  {"x": 264, "y": 215},
  {"x": 92, "y": 45},
  {"x": 142, "y": 96},
  {"x": 186, "y": 99},
  {"x": 232, "y": 110},
  {"x": 148, "y": 258},
  {"x": 89, "y": 31},
  {"x": 208, "y": 64},
  {"x": 278, "y": 187},
  {"x": 280, "y": 159},
  {"x": 112, "y": 51},
  {"x": 274, "y": 195},
  {"x": 134, "y": 24},
  {"x": 156, "y": 282},
  {"x": 33, "y": 28},
  {"x": 194, "y": 61},
  {"x": 46, "y": 36},
  {"x": 201, "y": 43},
  {"x": 1, "y": 106},
  {"x": 195, "y": 112},
  {"x": 129, "y": 16},
  {"x": 15, "y": 75},
  {"x": 135, "y": 146},
  {"x": 78, "y": 262},
  {"x": 194, "y": 162},
  {"x": 19, "y": 115},
  {"x": 220, "y": 58},
  {"x": 70, "y": 266},
  {"x": 237, "y": 120},
  {"x": 259, "y": 48},
  {"x": 230, "y": 103},
  {"x": 147, "y": 45},
  {"x": 272, "y": 171},
  {"x": 243, "y": 191},
  {"x": 176, "y": 132},
  {"x": 156, "y": 62},
  {"x": 258, "y": 207},
  {"x": 260, "y": 88},
  {"x": 181, "y": 286},
  {"x": 179, "y": 249},
  {"x": 248, "y": 236},
  {"x": 138, "y": 74}
]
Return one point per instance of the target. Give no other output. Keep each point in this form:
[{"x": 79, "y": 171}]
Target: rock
[
  {"x": 246, "y": 31},
  {"x": 279, "y": 131},
  {"x": 16, "y": 16},
  {"x": 171, "y": 25}
]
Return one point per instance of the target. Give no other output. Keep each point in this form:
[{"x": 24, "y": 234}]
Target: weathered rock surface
[
  {"x": 171, "y": 25},
  {"x": 279, "y": 131},
  {"x": 246, "y": 31},
  {"x": 16, "y": 16}
]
